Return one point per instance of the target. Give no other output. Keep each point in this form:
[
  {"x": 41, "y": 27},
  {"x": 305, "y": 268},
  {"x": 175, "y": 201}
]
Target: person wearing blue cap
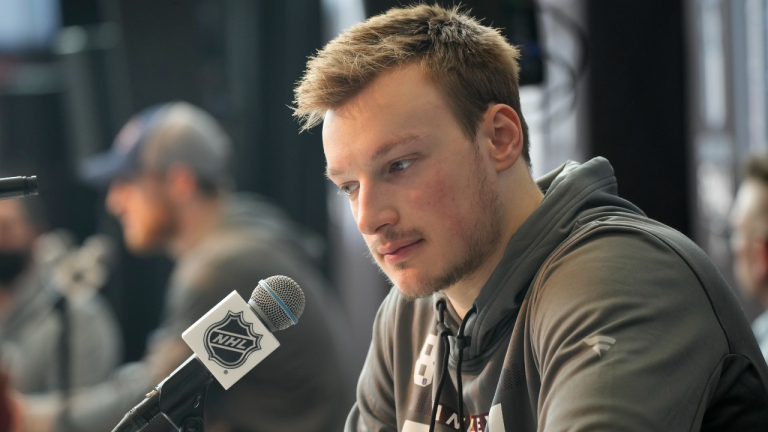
[{"x": 169, "y": 187}]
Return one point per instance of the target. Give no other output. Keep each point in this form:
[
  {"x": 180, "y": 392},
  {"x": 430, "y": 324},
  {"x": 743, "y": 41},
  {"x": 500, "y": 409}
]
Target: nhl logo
[{"x": 230, "y": 341}]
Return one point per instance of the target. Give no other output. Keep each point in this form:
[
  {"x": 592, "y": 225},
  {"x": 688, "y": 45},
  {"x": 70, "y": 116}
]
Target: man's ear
[
  {"x": 504, "y": 134},
  {"x": 181, "y": 182}
]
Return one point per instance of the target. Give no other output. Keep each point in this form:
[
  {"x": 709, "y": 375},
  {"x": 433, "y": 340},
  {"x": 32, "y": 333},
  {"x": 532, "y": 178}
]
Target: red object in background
[{"x": 7, "y": 408}]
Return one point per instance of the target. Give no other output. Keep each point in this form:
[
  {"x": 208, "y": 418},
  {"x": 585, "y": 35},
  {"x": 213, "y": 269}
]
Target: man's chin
[
  {"x": 414, "y": 294},
  {"x": 410, "y": 280},
  {"x": 413, "y": 288}
]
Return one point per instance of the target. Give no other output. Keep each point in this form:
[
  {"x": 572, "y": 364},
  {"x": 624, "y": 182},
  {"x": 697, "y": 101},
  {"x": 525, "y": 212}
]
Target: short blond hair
[{"x": 472, "y": 64}]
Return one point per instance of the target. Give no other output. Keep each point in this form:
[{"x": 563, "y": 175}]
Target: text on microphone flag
[{"x": 230, "y": 341}]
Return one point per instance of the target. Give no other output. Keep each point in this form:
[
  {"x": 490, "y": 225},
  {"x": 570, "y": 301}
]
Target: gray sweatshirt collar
[{"x": 573, "y": 192}]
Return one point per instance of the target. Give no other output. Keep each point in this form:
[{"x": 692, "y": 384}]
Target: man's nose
[{"x": 374, "y": 209}]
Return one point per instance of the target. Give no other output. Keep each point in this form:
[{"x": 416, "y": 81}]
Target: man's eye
[
  {"x": 401, "y": 165},
  {"x": 348, "y": 189}
]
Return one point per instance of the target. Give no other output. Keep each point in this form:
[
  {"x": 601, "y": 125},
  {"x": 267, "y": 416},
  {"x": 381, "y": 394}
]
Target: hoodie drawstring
[
  {"x": 443, "y": 332},
  {"x": 461, "y": 342}
]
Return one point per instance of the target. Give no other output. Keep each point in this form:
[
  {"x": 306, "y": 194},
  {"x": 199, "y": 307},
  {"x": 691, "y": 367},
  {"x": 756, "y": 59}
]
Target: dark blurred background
[{"x": 654, "y": 86}]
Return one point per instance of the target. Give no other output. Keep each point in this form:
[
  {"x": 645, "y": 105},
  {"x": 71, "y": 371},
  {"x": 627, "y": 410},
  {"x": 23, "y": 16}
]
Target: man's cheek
[
  {"x": 438, "y": 204},
  {"x": 429, "y": 193}
]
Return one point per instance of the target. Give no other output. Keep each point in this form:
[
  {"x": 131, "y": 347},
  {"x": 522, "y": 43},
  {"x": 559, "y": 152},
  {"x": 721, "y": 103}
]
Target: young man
[
  {"x": 749, "y": 221},
  {"x": 170, "y": 189},
  {"x": 519, "y": 305}
]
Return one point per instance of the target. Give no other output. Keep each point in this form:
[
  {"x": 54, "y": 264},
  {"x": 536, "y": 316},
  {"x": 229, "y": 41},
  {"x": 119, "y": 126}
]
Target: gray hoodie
[{"x": 596, "y": 318}]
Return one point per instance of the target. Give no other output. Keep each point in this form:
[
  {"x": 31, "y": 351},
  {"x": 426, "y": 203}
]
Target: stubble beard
[{"x": 479, "y": 242}]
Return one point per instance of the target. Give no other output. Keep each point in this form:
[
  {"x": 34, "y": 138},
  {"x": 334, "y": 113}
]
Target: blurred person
[
  {"x": 31, "y": 326},
  {"x": 749, "y": 241},
  {"x": 170, "y": 190},
  {"x": 522, "y": 305}
]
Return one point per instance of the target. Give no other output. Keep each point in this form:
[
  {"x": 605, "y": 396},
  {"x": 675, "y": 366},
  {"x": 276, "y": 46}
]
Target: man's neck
[
  {"x": 519, "y": 205},
  {"x": 196, "y": 219}
]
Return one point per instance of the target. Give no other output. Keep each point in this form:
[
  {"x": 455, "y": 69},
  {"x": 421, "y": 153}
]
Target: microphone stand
[
  {"x": 64, "y": 369},
  {"x": 186, "y": 415}
]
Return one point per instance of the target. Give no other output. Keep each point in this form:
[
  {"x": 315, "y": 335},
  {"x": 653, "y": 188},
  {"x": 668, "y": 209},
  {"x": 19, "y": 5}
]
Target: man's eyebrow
[
  {"x": 392, "y": 144},
  {"x": 380, "y": 152},
  {"x": 331, "y": 172}
]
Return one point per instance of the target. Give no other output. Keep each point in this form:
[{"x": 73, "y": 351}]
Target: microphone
[
  {"x": 17, "y": 187},
  {"x": 228, "y": 341}
]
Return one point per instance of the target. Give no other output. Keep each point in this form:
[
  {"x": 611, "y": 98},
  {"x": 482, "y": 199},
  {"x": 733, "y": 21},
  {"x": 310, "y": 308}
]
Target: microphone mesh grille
[{"x": 289, "y": 292}]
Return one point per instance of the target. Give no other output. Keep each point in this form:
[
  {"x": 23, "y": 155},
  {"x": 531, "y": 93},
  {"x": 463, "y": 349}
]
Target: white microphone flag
[{"x": 230, "y": 340}]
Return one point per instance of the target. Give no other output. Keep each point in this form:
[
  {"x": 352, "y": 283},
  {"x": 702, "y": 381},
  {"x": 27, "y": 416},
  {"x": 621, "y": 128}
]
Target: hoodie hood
[{"x": 573, "y": 195}]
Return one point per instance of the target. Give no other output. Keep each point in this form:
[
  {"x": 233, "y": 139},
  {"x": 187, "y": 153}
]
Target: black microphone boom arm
[
  {"x": 192, "y": 379},
  {"x": 180, "y": 397},
  {"x": 17, "y": 187}
]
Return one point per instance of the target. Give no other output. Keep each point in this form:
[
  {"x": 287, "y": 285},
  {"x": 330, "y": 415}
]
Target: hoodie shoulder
[{"x": 615, "y": 300}]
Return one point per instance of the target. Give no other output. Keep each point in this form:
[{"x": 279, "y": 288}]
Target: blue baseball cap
[{"x": 159, "y": 136}]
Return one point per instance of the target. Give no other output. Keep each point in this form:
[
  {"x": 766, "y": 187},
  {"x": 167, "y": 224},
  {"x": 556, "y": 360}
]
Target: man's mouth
[{"x": 400, "y": 250}]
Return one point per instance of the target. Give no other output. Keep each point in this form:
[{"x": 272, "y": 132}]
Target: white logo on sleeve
[
  {"x": 600, "y": 344},
  {"x": 424, "y": 369}
]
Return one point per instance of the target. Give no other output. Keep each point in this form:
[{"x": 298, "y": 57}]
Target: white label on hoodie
[
  {"x": 424, "y": 369},
  {"x": 496, "y": 420}
]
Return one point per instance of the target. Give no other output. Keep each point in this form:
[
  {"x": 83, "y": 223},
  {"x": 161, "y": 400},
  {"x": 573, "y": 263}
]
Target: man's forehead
[
  {"x": 398, "y": 106},
  {"x": 754, "y": 190},
  {"x": 393, "y": 95},
  {"x": 751, "y": 200}
]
